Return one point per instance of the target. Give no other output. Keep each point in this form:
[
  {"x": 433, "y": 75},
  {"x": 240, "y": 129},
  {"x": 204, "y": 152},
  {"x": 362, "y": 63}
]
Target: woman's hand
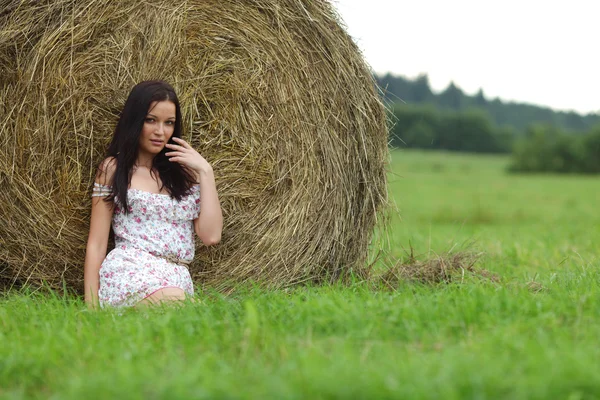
[
  {"x": 209, "y": 223},
  {"x": 189, "y": 158}
]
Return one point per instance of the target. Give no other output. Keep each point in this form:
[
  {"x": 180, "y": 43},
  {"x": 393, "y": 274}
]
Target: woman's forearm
[
  {"x": 209, "y": 224},
  {"x": 91, "y": 276}
]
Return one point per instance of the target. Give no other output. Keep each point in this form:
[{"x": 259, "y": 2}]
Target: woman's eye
[
  {"x": 170, "y": 122},
  {"x": 149, "y": 120}
]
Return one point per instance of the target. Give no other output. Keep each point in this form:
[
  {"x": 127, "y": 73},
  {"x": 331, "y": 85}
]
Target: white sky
[{"x": 544, "y": 52}]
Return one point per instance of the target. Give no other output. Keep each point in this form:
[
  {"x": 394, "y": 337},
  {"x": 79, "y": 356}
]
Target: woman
[{"x": 149, "y": 189}]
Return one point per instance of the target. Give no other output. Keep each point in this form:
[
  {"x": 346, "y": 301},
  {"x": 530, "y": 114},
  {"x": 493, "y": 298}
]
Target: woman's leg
[{"x": 169, "y": 294}]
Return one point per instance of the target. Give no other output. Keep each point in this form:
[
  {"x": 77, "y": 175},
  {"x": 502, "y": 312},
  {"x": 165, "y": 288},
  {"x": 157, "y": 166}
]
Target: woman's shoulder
[{"x": 106, "y": 171}]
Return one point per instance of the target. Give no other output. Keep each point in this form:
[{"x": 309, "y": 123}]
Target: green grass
[{"x": 472, "y": 339}]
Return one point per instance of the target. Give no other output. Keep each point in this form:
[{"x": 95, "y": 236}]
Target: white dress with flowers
[{"x": 153, "y": 244}]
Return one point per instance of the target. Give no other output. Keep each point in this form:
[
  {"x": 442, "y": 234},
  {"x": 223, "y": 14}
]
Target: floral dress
[{"x": 154, "y": 242}]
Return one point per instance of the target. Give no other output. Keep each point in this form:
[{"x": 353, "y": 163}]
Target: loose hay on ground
[
  {"x": 437, "y": 268},
  {"x": 275, "y": 95}
]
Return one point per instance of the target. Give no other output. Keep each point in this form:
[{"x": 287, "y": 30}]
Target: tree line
[
  {"x": 518, "y": 116},
  {"x": 558, "y": 143}
]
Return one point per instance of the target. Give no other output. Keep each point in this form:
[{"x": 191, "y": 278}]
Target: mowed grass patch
[
  {"x": 531, "y": 334},
  {"x": 526, "y": 224}
]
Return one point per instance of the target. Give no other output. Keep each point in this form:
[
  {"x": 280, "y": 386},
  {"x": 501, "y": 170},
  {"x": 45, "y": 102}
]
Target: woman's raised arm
[{"x": 209, "y": 224}]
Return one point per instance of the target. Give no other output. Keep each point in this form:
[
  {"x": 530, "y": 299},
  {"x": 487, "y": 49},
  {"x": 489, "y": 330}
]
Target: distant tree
[
  {"x": 395, "y": 88},
  {"x": 470, "y": 131},
  {"x": 422, "y": 91},
  {"x": 574, "y": 122},
  {"x": 452, "y": 97},
  {"x": 399, "y": 89},
  {"x": 421, "y": 135},
  {"x": 414, "y": 126},
  {"x": 479, "y": 99},
  {"x": 588, "y": 150}
]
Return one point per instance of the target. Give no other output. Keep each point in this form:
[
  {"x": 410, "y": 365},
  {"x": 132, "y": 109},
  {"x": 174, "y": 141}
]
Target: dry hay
[
  {"x": 438, "y": 268},
  {"x": 274, "y": 94}
]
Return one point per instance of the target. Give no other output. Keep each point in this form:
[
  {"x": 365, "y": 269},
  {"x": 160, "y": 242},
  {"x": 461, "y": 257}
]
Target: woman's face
[{"x": 158, "y": 127}]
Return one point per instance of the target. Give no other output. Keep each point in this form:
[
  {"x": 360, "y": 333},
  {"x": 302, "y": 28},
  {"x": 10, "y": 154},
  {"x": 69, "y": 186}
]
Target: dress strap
[{"x": 100, "y": 190}]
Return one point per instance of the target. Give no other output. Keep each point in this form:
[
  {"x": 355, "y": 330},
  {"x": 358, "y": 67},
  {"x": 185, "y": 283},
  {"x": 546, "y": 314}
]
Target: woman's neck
[{"x": 144, "y": 160}]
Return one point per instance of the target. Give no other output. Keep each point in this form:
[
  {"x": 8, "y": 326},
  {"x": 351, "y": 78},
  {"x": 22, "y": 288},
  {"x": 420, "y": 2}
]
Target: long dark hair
[{"x": 125, "y": 143}]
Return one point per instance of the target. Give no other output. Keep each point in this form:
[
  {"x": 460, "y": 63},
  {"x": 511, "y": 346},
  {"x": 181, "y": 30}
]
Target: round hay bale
[{"x": 274, "y": 94}]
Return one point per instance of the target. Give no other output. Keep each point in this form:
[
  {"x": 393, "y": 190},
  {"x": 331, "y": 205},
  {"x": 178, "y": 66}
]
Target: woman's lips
[{"x": 157, "y": 142}]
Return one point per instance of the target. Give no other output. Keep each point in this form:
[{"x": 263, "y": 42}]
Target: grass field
[{"x": 533, "y": 334}]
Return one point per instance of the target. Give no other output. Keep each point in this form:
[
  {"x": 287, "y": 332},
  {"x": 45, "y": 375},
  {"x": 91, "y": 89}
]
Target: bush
[
  {"x": 546, "y": 149},
  {"x": 424, "y": 127}
]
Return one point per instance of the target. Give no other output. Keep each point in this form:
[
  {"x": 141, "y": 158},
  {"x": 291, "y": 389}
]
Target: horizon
[{"x": 484, "y": 46}]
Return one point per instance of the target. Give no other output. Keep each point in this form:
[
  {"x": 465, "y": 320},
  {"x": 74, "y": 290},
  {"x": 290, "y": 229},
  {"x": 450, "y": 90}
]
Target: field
[{"x": 533, "y": 333}]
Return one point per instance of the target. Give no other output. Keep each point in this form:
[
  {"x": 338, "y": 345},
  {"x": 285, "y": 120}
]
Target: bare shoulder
[{"x": 106, "y": 171}]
